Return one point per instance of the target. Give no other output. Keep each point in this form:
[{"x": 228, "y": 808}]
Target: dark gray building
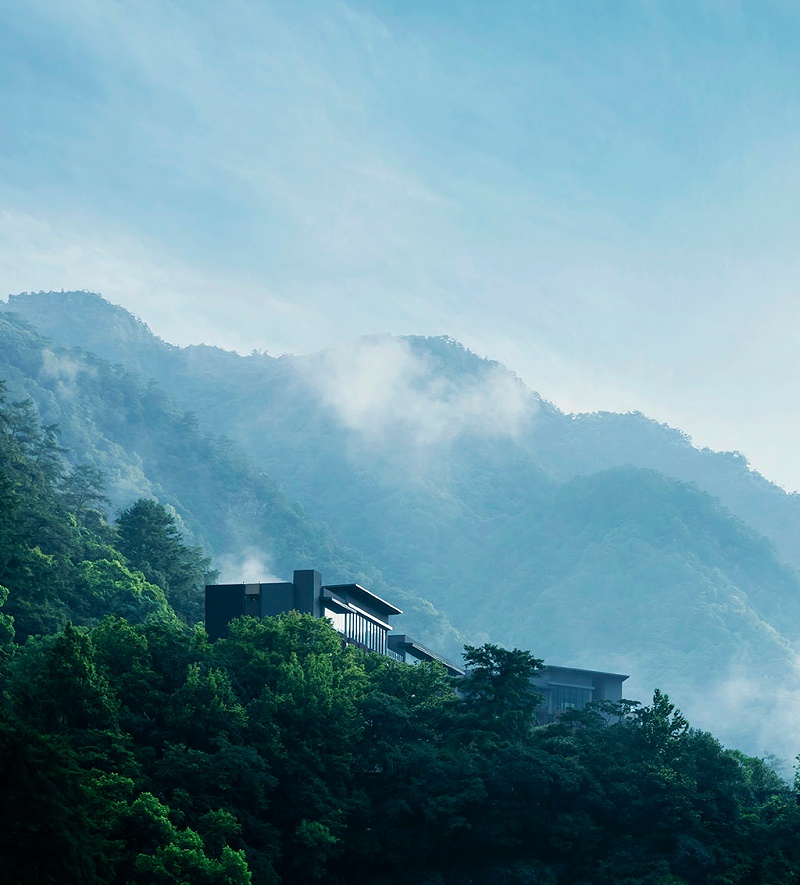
[
  {"x": 568, "y": 688},
  {"x": 360, "y": 616}
]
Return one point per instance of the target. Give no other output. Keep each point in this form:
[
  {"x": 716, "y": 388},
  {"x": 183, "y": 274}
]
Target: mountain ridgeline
[{"x": 412, "y": 465}]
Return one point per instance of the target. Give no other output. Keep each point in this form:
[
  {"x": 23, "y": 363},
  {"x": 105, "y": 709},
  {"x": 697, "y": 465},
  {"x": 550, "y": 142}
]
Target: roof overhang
[
  {"x": 355, "y": 594},
  {"x": 422, "y": 652},
  {"x": 339, "y": 603}
]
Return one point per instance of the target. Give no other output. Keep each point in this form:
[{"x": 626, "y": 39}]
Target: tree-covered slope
[
  {"x": 135, "y": 751},
  {"x": 561, "y": 445},
  {"x": 133, "y": 434},
  {"x": 575, "y": 535}
]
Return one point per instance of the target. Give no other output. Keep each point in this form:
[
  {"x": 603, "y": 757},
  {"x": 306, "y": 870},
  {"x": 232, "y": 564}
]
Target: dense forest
[
  {"x": 135, "y": 751},
  {"x": 439, "y": 480}
]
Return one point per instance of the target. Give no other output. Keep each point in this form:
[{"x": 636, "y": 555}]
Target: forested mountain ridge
[
  {"x": 563, "y": 445},
  {"x": 135, "y": 751},
  {"x": 524, "y": 525},
  {"x": 130, "y": 432}
]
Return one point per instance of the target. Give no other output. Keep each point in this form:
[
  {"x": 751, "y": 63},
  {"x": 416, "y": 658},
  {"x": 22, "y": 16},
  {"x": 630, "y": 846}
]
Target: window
[
  {"x": 338, "y": 619},
  {"x": 568, "y": 697}
]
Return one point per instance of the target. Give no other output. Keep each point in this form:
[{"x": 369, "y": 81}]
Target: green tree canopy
[{"x": 151, "y": 540}]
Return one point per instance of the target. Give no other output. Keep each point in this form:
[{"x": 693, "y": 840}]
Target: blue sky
[{"x": 602, "y": 195}]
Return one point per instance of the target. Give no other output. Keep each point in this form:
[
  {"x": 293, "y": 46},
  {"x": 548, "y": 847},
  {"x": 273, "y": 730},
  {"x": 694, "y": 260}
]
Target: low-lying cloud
[
  {"x": 383, "y": 388},
  {"x": 755, "y": 712},
  {"x": 62, "y": 370}
]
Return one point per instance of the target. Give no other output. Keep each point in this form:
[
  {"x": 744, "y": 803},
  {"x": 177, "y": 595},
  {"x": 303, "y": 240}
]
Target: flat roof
[
  {"x": 551, "y": 667},
  {"x": 366, "y": 597}
]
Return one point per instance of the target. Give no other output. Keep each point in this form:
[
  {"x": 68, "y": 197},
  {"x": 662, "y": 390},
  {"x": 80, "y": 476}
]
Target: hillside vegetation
[
  {"x": 134, "y": 751},
  {"x": 438, "y": 478}
]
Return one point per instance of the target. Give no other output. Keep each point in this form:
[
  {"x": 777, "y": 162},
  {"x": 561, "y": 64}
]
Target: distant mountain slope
[
  {"x": 579, "y": 444},
  {"x": 133, "y": 432},
  {"x": 575, "y": 536},
  {"x": 210, "y": 380}
]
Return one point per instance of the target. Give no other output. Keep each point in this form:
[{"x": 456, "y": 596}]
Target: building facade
[
  {"x": 362, "y": 619},
  {"x": 360, "y": 616},
  {"x": 568, "y": 688}
]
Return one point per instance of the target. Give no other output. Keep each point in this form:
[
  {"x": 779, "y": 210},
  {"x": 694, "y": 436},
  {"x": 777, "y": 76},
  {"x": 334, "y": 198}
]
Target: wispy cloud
[
  {"x": 383, "y": 388},
  {"x": 615, "y": 192},
  {"x": 763, "y": 709},
  {"x": 62, "y": 371}
]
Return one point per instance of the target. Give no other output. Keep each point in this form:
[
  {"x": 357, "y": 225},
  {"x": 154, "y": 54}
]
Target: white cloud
[
  {"x": 62, "y": 370},
  {"x": 382, "y": 388}
]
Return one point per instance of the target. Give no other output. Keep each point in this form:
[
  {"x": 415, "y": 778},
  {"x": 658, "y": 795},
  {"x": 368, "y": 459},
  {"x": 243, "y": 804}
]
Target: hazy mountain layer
[
  {"x": 144, "y": 445},
  {"x": 524, "y": 525}
]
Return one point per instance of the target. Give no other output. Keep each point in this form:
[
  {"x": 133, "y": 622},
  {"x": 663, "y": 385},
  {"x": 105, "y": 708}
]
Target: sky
[{"x": 602, "y": 195}]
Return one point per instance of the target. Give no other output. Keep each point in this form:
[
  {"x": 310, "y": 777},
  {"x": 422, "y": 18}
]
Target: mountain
[
  {"x": 604, "y": 541},
  {"x": 144, "y": 445}
]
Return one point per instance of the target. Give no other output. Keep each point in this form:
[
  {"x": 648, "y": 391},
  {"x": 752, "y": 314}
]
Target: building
[
  {"x": 362, "y": 619},
  {"x": 360, "y": 616},
  {"x": 568, "y": 688}
]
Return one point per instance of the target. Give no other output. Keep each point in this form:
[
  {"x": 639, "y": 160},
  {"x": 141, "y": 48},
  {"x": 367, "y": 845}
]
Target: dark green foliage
[
  {"x": 497, "y": 688},
  {"x": 50, "y": 829},
  {"x": 151, "y": 541},
  {"x": 133, "y": 751},
  {"x": 56, "y": 682},
  {"x": 59, "y": 559}
]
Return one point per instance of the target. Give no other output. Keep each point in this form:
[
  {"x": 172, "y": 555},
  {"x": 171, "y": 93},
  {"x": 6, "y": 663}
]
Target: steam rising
[{"x": 251, "y": 567}]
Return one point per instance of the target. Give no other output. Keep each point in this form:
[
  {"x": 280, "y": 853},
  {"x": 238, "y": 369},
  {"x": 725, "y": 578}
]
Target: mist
[
  {"x": 251, "y": 566},
  {"x": 382, "y": 387}
]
